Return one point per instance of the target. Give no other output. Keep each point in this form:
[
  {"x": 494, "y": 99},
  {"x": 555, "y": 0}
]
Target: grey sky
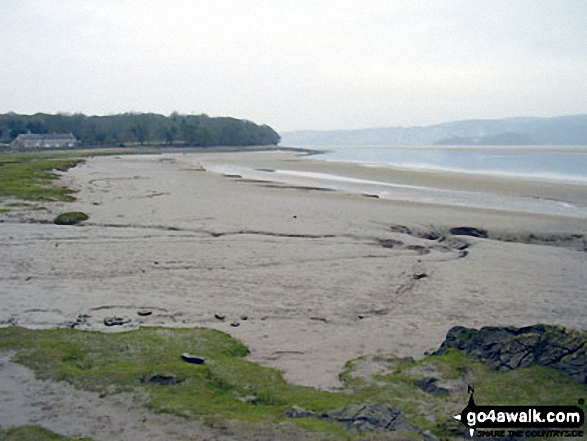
[{"x": 314, "y": 64}]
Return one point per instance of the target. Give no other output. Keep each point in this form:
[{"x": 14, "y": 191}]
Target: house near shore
[{"x": 27, "y": 141}]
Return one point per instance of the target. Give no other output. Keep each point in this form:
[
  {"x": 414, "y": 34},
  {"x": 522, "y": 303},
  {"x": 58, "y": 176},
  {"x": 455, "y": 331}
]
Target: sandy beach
[{"x": 313, "y": 277}]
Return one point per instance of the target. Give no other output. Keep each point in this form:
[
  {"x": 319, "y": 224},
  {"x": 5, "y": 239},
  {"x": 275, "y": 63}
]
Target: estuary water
[{"x": 548, "y": 163}]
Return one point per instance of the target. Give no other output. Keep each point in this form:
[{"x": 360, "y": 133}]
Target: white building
[{"x": 35, "y": 141}]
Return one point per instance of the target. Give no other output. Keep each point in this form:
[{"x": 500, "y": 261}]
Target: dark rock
[
  {"x": 163, "y": 380},
  {"x": 219, "y": 316},
  {"x": 144, "y": 312},
  {"x": 419, "y": 276},
  {"x": 235, "y": 324},
  {"x": 116, "y": 321},
  {"x": 189, "y": 358},
  {"x": 469, "y": 231},
  {"x": 360, "y": 418},
  {"x": 429, "y": 385},
  {"x": 511, "y": 348},
  {"x": 244, "y": 317},
  {"x": 70, "y": 218}
]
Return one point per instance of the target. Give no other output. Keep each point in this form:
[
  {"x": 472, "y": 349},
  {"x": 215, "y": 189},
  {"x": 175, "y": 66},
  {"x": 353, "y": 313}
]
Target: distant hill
[{"x": 563, "y": 130}]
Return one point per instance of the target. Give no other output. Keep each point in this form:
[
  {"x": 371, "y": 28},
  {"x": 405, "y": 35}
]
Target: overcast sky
[{"x": 299, "y": 64}]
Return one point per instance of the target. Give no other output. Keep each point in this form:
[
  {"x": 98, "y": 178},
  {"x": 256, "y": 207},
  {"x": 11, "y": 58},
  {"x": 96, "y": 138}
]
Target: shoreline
[
  {"x": 533, "y": 178},
  {"x": 432, "y": 161},
  {"x": 503, "y": 193},
  {"x": 322, "y": 276}
]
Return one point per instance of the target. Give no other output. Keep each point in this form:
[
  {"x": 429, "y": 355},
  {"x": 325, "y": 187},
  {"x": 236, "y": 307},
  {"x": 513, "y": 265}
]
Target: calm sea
[{"x": 552, "y": 163}]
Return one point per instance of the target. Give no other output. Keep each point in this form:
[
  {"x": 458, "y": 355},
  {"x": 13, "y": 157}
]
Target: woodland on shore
[{"x": 141, "y": 128}]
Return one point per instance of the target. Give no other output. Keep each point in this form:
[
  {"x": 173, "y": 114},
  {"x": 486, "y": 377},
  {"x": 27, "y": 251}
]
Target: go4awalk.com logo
[{"x": 522, "y": 421}]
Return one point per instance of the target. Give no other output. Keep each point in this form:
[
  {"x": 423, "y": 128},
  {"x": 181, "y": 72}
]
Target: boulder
[
  {"x": 70, "y": 218},
  {"x": 507, "y": 348}
]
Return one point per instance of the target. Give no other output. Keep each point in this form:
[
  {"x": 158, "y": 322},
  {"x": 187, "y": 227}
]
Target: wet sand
[{"x": 321, "y": 276}]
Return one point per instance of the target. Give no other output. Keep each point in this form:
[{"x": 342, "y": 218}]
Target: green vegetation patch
[
  {"x": 30, "y": 177},
  {"x": 225, "y": 387},
  {"x": 20, "y": 205},
  {"x": 228, "y": 387},
  {"x": 70, "y": 218},
  {"x": 395, "y": 381},
  {"x": 33, "y": 433}
]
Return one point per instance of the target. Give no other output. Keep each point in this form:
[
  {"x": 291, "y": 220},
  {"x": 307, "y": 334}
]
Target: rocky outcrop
[
  {"x": 510, "y": 348},
  {"x": 360, "y": 418}
]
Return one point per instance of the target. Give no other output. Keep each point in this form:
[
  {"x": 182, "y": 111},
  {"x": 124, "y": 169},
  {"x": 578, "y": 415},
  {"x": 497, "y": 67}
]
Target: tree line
[{"x": 141, "y": 128}]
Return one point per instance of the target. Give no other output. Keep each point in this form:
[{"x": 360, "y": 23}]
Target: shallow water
[{"x": 548, "y": 163}]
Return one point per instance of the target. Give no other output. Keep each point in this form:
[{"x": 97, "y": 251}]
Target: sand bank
[{"x": 321, "y": 276}]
